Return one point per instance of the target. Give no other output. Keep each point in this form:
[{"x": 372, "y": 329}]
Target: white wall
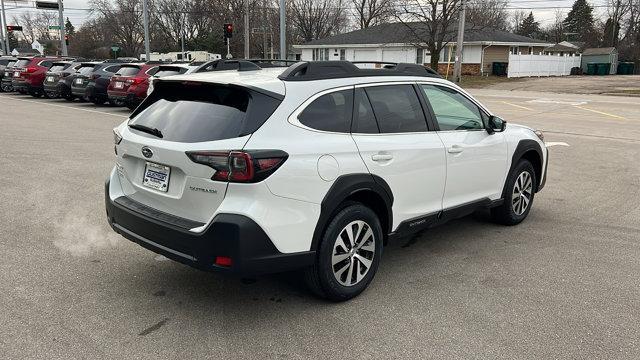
[{"x": 472, "y": 54}]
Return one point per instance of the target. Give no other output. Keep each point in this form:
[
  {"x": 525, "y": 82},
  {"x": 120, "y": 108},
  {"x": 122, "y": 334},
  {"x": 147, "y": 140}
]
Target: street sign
[
  {"x": 54, "y": 27},
  {"x": 47, "y": 5},
  {"x": 115, "y": 48}
]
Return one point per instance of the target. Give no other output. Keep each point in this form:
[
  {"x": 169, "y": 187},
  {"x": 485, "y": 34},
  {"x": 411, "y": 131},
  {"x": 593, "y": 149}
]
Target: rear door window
[
  {"x": 397, "y": 108},
  {"x": 128, "y": 71},
  {"x": 57, "y": 68},
  {"x": 329, "y": 112},
  {"x": 202, "y": 112}
]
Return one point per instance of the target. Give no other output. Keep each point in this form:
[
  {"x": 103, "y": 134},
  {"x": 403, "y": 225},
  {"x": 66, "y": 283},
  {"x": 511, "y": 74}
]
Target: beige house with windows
[{"x": 396, "y": 42}]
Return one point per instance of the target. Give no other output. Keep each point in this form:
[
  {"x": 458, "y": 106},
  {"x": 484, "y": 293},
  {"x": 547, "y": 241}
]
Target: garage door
[
  {"x": 365, "y": 55},
  {"x": 395, "y": 56}
]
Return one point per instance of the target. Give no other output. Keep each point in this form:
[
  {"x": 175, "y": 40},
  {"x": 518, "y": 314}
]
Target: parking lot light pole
[
  {"x": 145, "y": 10},
  {"x": 283, "y": 39},
  {"x": 457, "y": 68},
  {"x": 63, "y": 42},
  {"x": 246, "y": 29}
]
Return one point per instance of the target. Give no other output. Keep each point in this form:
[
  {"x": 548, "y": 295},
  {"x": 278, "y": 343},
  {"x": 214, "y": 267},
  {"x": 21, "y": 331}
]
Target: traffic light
[
  {"x": 228, "y": 31},
  {"x": 66, "y": 39},
  {"x": 11, "y": 28}
]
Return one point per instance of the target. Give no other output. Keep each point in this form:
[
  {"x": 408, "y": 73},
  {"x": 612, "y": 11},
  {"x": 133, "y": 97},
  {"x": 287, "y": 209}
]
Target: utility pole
[
  {"x": 457, "y": 68},
  {"x": 246, "y": 29},
  {"x": 264, "y": 29},
  {"x": 4, "y": 28},
  {"x": 184, "y": 16},
  {"x": 145, "y": 10},
  {"x": 283, "y": 39},
  {"x": 63, "y": 31}
]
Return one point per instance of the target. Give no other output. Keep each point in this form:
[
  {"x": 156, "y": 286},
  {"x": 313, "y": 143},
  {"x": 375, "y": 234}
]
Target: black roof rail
[{"x": 319, "y": 70}]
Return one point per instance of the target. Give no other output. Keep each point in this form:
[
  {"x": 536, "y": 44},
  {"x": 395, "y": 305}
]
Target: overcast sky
[{"x": 543, "y": 10}]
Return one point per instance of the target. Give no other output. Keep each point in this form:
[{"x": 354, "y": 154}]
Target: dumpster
[
  {"x": 591, "y": 68},
  {"x": 603, "y": 68},
  {"x": 499, "y": 68},
  {"x": 625, "y": 68}
]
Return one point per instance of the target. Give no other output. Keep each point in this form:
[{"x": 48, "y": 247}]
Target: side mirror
[{"x": 496, "y": 124}]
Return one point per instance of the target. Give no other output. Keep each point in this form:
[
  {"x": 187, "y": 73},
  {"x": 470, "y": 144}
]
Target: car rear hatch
[
  {"x": 53, "y": 75},
  {"x": 121, "y": 81},
  {"x": 82, "y": 75},
  {"x": 19, "y": 67},
  {"x": 175, "y": 152}
]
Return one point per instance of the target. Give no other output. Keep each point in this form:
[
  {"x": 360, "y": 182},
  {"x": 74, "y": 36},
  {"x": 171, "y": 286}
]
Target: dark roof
[
  {"x": 599, "y": 51},
  {"x": 407, "y": 33},
  {"x": 558, "y": 47}
]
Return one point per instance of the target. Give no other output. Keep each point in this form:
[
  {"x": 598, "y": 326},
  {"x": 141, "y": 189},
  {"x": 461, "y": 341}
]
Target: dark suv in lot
[
  {"x": 94, "y": 87},
  {"x": 77, "y": 79},
  {"x": 52, "y": 79},
  {"x": 6, "y": 65}
]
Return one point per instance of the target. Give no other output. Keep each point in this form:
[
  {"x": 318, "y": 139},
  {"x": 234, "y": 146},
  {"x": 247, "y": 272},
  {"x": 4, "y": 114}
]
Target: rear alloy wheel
[
  {"x": 348, "y": 254},
  {"x": 518, "y": 195}
]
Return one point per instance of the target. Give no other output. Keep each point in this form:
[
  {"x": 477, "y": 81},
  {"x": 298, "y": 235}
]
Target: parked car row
[{"x": 117, "y": 82}]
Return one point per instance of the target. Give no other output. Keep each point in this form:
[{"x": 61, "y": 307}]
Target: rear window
[
  {"x": 85, "y": 70},
  {"x": 128, "y": 71},
  {"x": 170, "y": 71},
  {"x": 4, "y": 61},
  {"x": 57, "y": 68},
  {"x": 22, "y": 63},
  {"x": 198, "y": 112}
]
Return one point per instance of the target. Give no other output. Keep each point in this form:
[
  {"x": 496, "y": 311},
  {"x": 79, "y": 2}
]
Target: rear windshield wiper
[{"x": 149, "y": 130}]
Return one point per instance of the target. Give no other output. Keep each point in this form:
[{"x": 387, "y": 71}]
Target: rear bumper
[
  {"x": 229, "y": 235},
  {"x": 78, "y": 91}
]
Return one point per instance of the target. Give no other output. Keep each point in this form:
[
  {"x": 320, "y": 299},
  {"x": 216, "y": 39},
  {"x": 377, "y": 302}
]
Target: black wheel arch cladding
[
  {"x": 369, "y": 189},
  {"x": 530, "y": 150}
]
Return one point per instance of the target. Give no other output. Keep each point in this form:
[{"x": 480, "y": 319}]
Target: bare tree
[
  {"x": 317, "y": 19},
  {"x": 516, "y": 20},
  {"x": 123, "y": 21},
  {"x": 372, "y": 12},
  {"x": 489, "y": 13},
  {"x": 36, "y": 26},
  {"x": 555, "y": 31},
  {"x": 431, "y": 22}
]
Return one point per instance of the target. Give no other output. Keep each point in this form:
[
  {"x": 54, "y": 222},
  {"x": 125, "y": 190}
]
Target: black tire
[
  {"x": 35, "y": 93},
  {"x": 505, "y": 213},
  {"x": 320, "y": 277},
  {"x": 98, "y": 100},
  {"x": 69, "y": 97}
]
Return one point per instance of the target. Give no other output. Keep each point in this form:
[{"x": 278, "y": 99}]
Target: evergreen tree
[
  {"x": 529, "y": 26},
  {"x": 580, "y": 22},
  {"x": 69, "y": 28}
]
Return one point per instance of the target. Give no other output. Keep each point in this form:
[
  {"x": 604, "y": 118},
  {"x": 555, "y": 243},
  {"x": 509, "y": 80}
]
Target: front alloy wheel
[
  {"x": 522, "y": 191},
  {"x": 353, "y": 253}
]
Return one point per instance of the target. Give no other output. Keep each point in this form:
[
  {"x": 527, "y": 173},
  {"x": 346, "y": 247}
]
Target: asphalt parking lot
[{"x": 563, "y": 284}]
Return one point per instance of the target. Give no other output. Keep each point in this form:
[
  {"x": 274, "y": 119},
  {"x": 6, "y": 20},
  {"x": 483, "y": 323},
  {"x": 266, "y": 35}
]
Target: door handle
[
  {"x": 455, "y": 149},
  {"x": 381, "y": 157}
]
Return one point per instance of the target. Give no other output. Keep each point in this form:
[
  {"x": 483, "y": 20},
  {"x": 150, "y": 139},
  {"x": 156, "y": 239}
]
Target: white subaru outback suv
[{"x": 312, "y": 168}]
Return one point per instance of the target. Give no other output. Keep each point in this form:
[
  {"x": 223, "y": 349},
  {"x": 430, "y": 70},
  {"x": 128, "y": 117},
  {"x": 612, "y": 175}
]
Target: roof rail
[{"x": 319, "y": 70}]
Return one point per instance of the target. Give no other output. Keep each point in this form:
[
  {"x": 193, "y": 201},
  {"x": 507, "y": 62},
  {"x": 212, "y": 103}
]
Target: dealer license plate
[
  {"x": 79, "y": 81},
  {"x": 156, "y": 176},
  {"x": 118, "y": 85}
]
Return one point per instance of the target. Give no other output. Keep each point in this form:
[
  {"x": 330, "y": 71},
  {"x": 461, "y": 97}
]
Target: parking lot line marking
[
  {"x": 62, "y": 106},
  {"x": 602, "y": 113},
  {"x": 518, "y": 106},
  {"x": 555, "y": 143}
]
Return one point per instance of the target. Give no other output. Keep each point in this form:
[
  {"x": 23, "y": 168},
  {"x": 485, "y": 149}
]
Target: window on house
[
  {"x": 530, "y": 49},
  {"x": 513, "y": 50},
  {"x": 326, "y": 55},
  {"x": 420, "y": 56},
  {"x": 343, "y": 55}
]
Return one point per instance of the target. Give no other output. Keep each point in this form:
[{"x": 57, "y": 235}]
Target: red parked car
[
  {"x": 129, "y": 85},
  {"x": 29, "y": 76}
]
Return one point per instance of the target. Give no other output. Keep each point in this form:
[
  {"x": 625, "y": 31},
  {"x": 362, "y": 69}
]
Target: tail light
[
  {"x": 135, "y": 80},
  {"x": 31, "y": 69},
  {"x": 240, "y": 166}
]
